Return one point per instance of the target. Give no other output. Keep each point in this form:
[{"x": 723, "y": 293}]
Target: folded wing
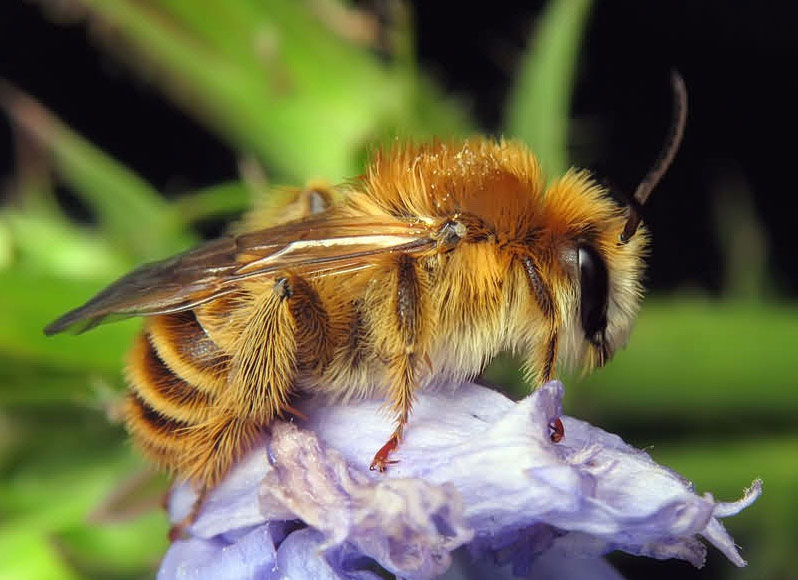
[{"x": 320, "y": 246}]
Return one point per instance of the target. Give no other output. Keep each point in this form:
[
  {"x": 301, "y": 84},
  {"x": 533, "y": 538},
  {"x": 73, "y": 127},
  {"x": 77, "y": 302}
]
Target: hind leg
[{"x": 213, "y": 447}]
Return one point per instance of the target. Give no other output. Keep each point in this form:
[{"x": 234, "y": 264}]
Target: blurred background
[{"x": 132, "y": 129}]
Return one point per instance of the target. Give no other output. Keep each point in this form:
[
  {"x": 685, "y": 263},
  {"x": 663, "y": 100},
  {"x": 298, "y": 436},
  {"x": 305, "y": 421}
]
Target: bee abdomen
[
  {"x": 180, "y": 340},
  {"x": 161, "y": 388},
  {"x": 159, "y": 430},
  {"x": 174, "y": 372}
]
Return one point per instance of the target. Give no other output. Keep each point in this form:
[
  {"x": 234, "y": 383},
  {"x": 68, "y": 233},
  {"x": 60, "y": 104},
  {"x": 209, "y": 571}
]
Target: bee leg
[
  {"x": 313, "y": 330},
  {"x": 403, "y": 385},
  {"x": 381, "y": 459},
  {"x": 212, "y": 448},
  {"x": 549, "y": 357},
  {"x": 287, "y": 332},
  {"x": 316, "y": 198},
  {"x": 403, "y": 331},
  {"x": 295, "y": 316},
  {"x": 292, "y": 315},
  {"x": 543, "y": 362},
  {"x": 282, "y": 206},
  {"x": 178, "y": 530},
  {"x": 264, "y": 364}
]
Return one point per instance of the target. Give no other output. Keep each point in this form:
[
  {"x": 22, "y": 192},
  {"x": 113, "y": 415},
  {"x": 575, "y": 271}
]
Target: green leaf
[
  {"x": 538, "y": 111},
  {"x": 126, "y": 548},
  {"x": 45, "y": 243},
  {"x": 273, "y": 79},
  {"x": 221, "y": 200},
  {"x": 31, "y": 301},
  {"x": 129, "y": 211},
  {"x": 45, "y": 505},
  {"x": 30, "y": 555},
  {"x": 700, "y": 362}
]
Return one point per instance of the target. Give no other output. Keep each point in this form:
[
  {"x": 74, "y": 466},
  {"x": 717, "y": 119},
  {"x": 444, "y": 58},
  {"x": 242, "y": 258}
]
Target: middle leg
[
  {"x": 544, "y": 356},
  {"x": 399, "y": 326}
]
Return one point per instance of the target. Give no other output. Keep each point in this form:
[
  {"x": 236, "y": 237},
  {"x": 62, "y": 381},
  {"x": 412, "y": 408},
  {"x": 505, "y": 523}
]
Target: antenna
[{"x": 666, "y": 156}]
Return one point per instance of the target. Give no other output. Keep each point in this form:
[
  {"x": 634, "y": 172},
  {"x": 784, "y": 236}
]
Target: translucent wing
[{"x": 318, "y": 246}]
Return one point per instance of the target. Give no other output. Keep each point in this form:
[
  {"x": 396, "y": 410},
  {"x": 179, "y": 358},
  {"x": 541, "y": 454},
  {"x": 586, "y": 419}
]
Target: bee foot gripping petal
[{"x": 475, "y": 470}]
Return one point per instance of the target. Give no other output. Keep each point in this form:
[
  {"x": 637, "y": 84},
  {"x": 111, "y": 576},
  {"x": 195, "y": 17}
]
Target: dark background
[{"x": 737, "y": 59}]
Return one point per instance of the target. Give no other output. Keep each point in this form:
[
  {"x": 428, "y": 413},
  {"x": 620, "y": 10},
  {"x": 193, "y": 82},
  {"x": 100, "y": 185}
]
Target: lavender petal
[{"x": 475, "y": 470}]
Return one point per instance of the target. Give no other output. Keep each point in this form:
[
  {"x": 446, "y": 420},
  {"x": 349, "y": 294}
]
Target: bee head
[{"x": 610, "y": 266}]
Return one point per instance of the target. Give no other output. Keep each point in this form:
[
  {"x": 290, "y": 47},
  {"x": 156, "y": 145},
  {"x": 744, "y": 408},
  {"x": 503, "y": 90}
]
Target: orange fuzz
[{"x": 441, "y": 256}]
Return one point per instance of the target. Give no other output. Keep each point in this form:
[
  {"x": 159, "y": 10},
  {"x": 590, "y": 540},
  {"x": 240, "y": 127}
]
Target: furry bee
[{"x": 436, "y": 259}]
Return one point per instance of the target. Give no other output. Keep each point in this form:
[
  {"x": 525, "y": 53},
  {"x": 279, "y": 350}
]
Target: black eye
[{"x": 594, "y": 283}]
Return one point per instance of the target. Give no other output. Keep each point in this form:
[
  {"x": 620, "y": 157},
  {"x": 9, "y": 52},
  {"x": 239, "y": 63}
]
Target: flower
[{"x": 476, "y": 473}]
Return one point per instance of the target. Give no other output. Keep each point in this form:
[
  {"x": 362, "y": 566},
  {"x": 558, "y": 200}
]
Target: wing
[{"x": 319, "y": 246}]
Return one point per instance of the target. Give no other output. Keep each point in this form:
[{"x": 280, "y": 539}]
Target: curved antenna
[{"x": 669, "y": 149}]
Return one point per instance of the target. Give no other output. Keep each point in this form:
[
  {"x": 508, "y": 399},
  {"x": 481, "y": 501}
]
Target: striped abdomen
[{"x": 176, "y": 373}]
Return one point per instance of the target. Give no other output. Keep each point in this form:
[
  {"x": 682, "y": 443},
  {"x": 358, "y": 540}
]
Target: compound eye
[{"x": 594, "y": 284}]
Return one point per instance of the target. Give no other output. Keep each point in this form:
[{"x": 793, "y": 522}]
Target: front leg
[
  {"x": 542, "y": 359},
  {"x": 401, "y": 331}
]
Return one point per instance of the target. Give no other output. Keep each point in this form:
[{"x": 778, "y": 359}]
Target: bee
[{"x": 423, "y": 269}]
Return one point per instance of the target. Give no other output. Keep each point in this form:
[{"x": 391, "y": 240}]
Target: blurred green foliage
[{"x": 303, "y": 92}]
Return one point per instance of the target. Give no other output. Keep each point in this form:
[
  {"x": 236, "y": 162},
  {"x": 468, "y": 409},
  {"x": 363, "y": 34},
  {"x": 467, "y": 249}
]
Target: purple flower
[{"x": 477, "y": 473}]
